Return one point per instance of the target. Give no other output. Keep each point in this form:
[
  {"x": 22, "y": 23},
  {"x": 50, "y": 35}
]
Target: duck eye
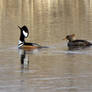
[
  {"x": 25, "y": 33},
  {"x": 67, "y": 37}
]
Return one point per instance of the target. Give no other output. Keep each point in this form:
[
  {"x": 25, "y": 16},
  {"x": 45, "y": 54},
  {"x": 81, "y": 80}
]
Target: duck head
[
  {"x": 69, "y": 37},
  {"x": 24, "y": 32}
]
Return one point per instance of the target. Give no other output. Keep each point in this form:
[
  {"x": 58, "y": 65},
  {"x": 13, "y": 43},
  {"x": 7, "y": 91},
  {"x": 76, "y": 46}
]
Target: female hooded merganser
[
  {"x": 76, "y": 44},
  {"x": 24, "y": 32}
]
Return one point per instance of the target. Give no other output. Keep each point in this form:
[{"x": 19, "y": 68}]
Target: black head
[{"x": 24, "y": 31}]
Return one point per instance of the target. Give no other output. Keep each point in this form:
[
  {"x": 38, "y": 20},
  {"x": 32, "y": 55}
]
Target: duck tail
[
  {"x": 43, "y": 47},
  {"x": 90, "y": 44}
]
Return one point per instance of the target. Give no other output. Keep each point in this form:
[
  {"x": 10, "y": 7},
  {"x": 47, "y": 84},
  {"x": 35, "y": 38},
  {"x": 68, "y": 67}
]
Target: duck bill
[
  {"x": 19, "y": 27},
  {"x": 64, "y": 39}
]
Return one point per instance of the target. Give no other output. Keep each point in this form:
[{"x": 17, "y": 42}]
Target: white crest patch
[{"x": 25, "y": 34}]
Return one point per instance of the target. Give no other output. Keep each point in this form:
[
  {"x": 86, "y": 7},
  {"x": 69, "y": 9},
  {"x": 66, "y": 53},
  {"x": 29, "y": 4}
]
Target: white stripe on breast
[{"x": 20, "y": 43}]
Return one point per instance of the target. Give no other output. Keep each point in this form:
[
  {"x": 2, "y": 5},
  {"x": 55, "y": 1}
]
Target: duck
[
  {"x": 22, "y": 44},
  {"x": 76, "y": 44}
]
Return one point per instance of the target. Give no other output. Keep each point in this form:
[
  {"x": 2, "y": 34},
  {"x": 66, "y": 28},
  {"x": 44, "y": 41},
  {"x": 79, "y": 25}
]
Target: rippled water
[{"x": 54, "y": 69}]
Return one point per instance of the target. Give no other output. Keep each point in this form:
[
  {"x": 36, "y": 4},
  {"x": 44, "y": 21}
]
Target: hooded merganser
[
  {"x": 24, "y": 32},
  {"x": 76, "y": 44}
]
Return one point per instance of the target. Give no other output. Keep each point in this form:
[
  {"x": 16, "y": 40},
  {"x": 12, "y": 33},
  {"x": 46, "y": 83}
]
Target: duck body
[
  {"x": 30, "y": 46},
  {"x": 26, "y": 45},
  {"x": 77, "y": 44}
]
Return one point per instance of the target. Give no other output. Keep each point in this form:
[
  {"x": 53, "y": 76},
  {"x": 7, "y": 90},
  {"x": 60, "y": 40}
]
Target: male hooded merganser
[
  {"x": 76, "y": 44},
  {"x": 24, "y": 32}
]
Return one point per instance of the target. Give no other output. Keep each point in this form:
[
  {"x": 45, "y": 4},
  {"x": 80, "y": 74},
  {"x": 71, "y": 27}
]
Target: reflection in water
[
  {"x": 24, "y": 59},
  {"x": 24, "y": 56}
]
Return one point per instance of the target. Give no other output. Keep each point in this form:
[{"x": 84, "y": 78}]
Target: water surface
[{"x": 49, "y": 70}]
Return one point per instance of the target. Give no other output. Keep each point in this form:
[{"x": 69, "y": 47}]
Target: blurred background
[{"x": 48, "y": 21}]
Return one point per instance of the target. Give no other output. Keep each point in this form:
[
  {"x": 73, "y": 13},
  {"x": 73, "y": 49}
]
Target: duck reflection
[{"x": 24, "y": 58}]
